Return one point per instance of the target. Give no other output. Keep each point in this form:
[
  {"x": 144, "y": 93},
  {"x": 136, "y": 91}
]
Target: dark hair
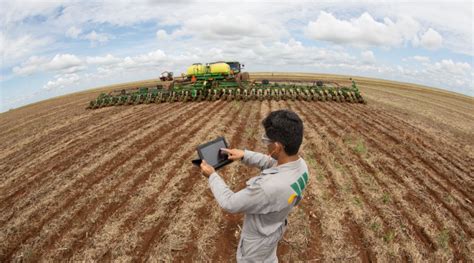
[{"x": 285, "y": 127}]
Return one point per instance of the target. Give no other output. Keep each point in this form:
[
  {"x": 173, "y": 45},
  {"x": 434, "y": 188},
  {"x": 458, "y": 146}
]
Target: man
[{"x": 268, "y": 198}]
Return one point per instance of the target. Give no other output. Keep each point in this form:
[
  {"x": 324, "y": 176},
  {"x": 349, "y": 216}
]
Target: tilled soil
[{"x": 389, "y": 180}]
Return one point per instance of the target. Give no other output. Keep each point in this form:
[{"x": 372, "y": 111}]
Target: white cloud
[
  {"x": 145, "y": 63},
  {"x": 421, "y": 59},
  {"x": 73, "y": 32},
  {"x": 452, "y": 19},
  {"x": 62, "y": 81},
  {"x": 105, "y": 60},
  {"x": 446, "y": 74},
  {"x": 431, "y": 39},
  {"x": 449, "y": 66},
  {"x": 68, "y": 63},
  {"x": 162, "y": 35},
  {"x": 12, "y": 49},
  {"x": 220, "y": 27},
  {"x": 367, "y": 57},
  {"x": 362, "y": 31},
  {"x": 154, "y": 56},
  {"x": 15, "y": 11},
  {"x": 279, "y": 54},
  {"x": 30, "y": 66},
  {"x": 95, "y": 37},
  {"x": 65, "y": 63}
]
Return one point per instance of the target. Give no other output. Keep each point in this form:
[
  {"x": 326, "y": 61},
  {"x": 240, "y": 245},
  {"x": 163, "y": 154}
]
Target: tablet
[{"x": 211, "y": 152}]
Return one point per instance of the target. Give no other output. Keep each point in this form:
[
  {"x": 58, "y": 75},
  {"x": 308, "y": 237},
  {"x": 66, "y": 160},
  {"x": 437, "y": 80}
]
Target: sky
[{"x": 51, "y": 48}]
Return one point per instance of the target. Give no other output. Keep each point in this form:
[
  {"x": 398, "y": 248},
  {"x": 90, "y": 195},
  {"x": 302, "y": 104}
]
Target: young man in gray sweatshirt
[{"x": 268, "y": 198}]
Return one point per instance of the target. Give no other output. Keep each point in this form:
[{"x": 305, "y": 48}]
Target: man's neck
[{"x": 287, "y": 159}]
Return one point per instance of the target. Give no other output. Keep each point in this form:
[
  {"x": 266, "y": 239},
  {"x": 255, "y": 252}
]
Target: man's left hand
[{"x": 206, "y": 169}]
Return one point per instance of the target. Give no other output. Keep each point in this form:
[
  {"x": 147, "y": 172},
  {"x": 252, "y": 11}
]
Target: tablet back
[{"x": 212, "y": 154}]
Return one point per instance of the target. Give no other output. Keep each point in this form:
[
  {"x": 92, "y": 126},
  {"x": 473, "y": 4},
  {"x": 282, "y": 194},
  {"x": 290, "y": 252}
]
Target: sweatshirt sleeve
[
  {"x": 250, "y": 200},
  {"x": 258, "y": 159}
]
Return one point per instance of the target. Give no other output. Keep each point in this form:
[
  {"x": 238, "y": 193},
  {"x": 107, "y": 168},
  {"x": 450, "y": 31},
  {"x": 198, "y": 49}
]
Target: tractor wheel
[
  {"x": 351, "y": 100},
  {"x": 343, "y": 99},
  {"x": 353, "y": 96},
  {"x": 323, "y": 97},
  {"x": 292, "y": 95}
]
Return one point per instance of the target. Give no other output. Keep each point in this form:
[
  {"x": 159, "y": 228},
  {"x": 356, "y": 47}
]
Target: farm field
[{"x": 389, "y": 180}]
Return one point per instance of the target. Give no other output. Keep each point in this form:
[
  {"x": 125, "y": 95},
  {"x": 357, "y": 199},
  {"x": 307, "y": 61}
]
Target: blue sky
[{"x": 51, "y": 48}]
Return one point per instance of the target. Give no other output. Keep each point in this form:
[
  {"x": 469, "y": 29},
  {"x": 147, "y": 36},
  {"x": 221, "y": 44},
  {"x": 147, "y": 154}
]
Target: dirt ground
[{"x": 391, "y": 180}]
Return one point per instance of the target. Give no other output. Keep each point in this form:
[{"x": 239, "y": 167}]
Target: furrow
[
  {"x": 64, "y": 167},
  {"x": 36, "y": 138},
  {"x": 51, "y": 111},
  {"x": 418, "y": 232},
  {"x": 331, "y": 134},
  {"x": 48, "y": 150},
  {"x": 381, "y": 146},
  {"x": 148, "y": 237},
  {"x": 47, "y": 147},
  {"x": 454, "y": 158},
  {"x": 125, "y": 219},
  {"x": 409, "y": 155},
  {"x": 130, "y": 182},
  {"x": 97, "y": 174},
  {"x": 414, "y": 139},
  {"x": 235, "y": 177},
  {"x": 311, "y": 208}
]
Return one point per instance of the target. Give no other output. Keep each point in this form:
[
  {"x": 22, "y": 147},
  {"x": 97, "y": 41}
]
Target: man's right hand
[{"x": 234, "y": 154}]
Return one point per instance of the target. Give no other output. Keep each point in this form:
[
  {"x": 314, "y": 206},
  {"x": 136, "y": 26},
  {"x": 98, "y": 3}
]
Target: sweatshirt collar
[{"x": 284, "y": 167}]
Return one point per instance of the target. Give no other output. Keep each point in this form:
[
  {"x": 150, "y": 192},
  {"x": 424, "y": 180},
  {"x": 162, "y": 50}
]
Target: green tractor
[{"x": 226, "y": 81}]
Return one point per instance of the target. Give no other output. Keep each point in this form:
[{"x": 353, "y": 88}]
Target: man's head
[{"x": 284, "y": 132}]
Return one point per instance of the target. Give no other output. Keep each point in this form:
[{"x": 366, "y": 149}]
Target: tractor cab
[
  {"x": 166, "y": 76},
  {"x": 235, "y": 66}
]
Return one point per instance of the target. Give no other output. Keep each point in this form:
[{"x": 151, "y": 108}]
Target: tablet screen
[{"x": 212, "y": 154}]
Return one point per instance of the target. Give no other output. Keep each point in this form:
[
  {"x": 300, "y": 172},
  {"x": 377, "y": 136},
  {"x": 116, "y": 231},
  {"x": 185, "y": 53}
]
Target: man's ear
[{"x": 279, "y": 147}]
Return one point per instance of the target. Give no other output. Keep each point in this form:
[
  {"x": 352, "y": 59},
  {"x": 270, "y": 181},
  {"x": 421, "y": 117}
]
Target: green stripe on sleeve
[
  {"x": 296, "y": 188},
  {"x": 305, "y": 177},
  {"x": 301, "y": 183}
]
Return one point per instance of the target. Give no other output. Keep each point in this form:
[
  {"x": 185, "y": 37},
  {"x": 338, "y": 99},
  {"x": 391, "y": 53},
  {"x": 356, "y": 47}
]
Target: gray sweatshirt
[{"x": 268, "y": 198}]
